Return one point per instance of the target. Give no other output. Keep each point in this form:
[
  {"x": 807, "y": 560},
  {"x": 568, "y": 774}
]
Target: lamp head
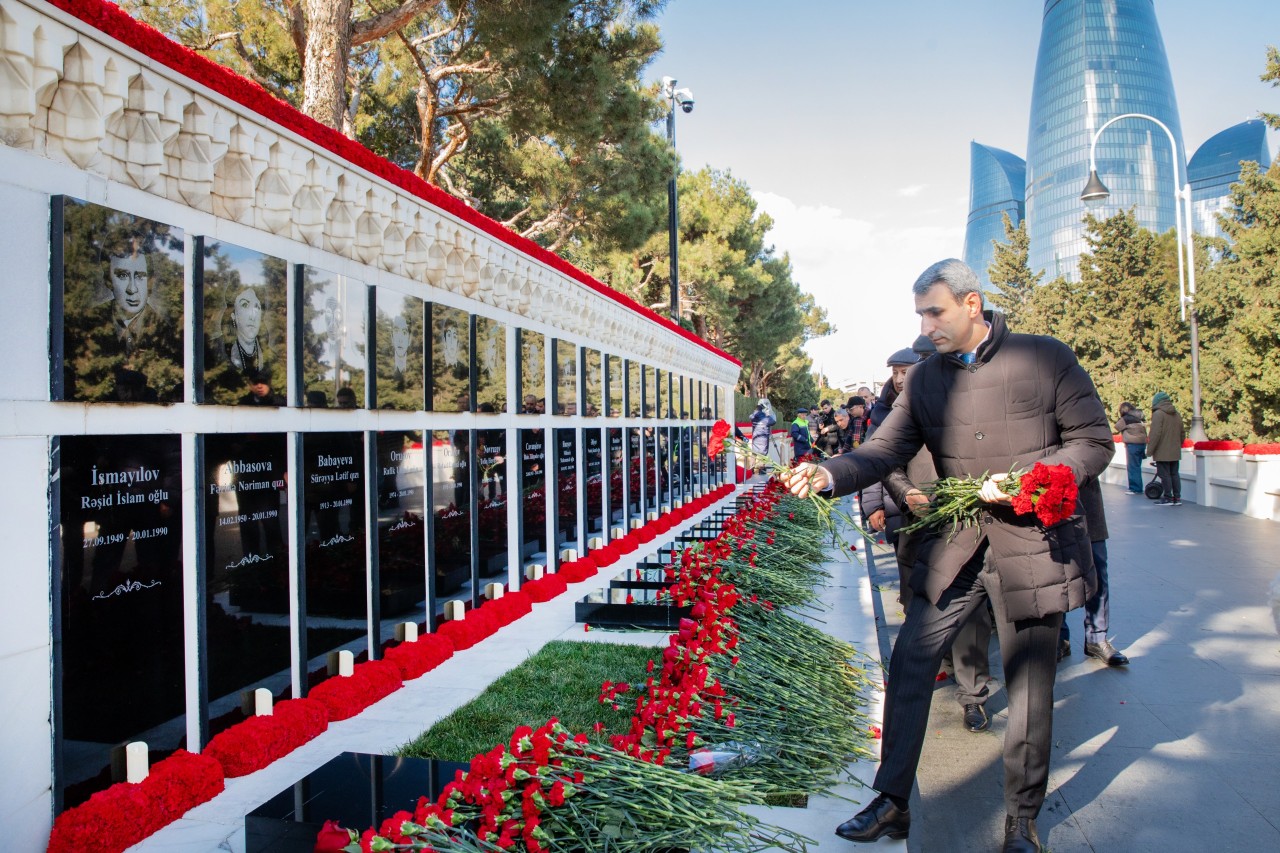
[{"x": 1095, "y": 191}]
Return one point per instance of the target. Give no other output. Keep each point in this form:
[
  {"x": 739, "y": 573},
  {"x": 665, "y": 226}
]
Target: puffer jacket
[
  {"x": 1025, "y": 399},
  {"x": 1131, "y": 428},
  {"x": 1164, "y": 440}
]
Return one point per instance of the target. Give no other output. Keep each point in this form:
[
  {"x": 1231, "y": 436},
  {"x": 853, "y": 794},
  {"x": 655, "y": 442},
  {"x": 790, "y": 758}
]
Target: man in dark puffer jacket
[{"x": 992, "y": 402}]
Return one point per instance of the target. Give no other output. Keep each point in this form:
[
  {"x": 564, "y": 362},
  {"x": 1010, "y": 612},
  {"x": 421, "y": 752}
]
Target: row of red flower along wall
[
  {"x": 125, "y": 813},
  {"x": 1225, "y": 474}
]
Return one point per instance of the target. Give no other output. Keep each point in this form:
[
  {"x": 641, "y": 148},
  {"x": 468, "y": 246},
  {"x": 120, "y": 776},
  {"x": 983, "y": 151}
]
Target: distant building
[
  {"x": 1216, "y": 166},
  {"x": 997, "y": 183},
  {"x": 1098, "y": 59}
]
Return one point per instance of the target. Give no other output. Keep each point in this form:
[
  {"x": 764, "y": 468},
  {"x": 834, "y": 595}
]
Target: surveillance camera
[
  {"x": 668, "y": 83},
  {"x": 684, "y": 97}
]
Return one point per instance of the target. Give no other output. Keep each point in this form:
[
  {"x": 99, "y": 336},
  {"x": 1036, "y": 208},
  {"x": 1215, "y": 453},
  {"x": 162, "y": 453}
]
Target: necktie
[{"x": 967, "y": 357}]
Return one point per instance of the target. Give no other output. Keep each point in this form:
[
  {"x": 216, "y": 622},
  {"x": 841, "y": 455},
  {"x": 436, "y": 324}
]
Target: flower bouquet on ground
[
  {"x": 721, "y": 439},
  {"x": 1047, "y": 491}
]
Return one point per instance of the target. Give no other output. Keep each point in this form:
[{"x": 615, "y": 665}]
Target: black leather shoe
[
  {"x": 1020, "y": 835},
  {"x": 975, "y": 718},
  {"x": 1106, "y": 653},
  {"x": 1064, "y": 650},
  {"x": 880, "y": 818}
]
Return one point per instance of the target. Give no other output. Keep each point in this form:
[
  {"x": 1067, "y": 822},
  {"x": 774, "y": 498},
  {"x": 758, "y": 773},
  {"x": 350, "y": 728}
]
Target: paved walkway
[{"x": 1179, "y": 752}]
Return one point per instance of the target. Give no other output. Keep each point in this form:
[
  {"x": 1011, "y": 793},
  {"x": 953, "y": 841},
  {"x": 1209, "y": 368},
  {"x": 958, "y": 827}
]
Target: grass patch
[{"x": 563, "y": 680}]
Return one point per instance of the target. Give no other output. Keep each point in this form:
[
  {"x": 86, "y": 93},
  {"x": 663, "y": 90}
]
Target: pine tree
[{"x": 1010, "y": 272}]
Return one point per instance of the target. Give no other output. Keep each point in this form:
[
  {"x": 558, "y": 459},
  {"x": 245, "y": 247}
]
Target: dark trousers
[
  {"x": 1170, "y": 482},
  {"x": 1133, "y": 461},
  {"x": 1028, "y": 648},
  {"x": 1097, "y": 608}
]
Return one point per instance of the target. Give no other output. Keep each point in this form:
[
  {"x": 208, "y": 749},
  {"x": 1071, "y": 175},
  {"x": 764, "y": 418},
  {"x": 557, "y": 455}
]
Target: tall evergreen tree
[
  {"x": 1010, "y": 272},
  {"x": 1272, "y": 75}
]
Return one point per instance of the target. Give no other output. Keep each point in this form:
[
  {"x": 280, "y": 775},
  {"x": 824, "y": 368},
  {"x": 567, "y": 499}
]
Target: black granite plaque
[
  {"x": 634, "y": 469},
  {"x": 334, "y": 565},
  {"x": 491, "y": 470},
  {"x": 616, "y": 492},
  {"x": 566, "y": 488},
  {"x": 119, "y": 654},
  {"x": 355, "y": 789},
  {"x": 592, "y": 383},
  {"x": 451, "y": 504},
  {"x": 117, "y": 318},
  {"x": 246, "y": 569},
  {"x": 400, "y": 359},
  {"x": 533, "y": 373},
  {"x": 245, "y": 325},
  {"x": 566, "y": 378},
  {"x": 533, "y": 493},
  {"x": 649, "y": 468},
  {"x": 490, "y": 368},
  {"x": 593, "y": 470},
  {"x": 450, "y": 367},
  {"x": 334, "y": 345},
  {"x": 402, "y": 554}
]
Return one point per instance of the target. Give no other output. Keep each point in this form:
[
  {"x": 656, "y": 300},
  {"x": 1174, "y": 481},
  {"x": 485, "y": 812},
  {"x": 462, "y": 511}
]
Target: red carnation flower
[{"x": 719, "y": 432}]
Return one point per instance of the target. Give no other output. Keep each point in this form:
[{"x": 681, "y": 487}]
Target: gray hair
[{"x": 952, "y": 272}]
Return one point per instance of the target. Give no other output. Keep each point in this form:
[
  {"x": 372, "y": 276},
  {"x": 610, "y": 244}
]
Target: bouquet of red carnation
[{"x": 1047, "y": 491}]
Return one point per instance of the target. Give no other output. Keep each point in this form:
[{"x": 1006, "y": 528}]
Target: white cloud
[
  {"x": 912, "y": 191},
  {"x": 861, "y": 272}
]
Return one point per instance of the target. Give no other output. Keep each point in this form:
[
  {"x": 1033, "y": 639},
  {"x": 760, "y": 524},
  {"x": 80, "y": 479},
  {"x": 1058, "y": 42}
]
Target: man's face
[
  {"x": 260, "y": 388},
  {"x": 826, "y": 408},
  {"x": 857, "y": 411},
  {"x": 900, "y": 376},
  {"x": 128, "y": 275},
  {"x": 842, "y": 421},
  {"x": 813, "y": 414},
  {"x": 950, "y": 324}
]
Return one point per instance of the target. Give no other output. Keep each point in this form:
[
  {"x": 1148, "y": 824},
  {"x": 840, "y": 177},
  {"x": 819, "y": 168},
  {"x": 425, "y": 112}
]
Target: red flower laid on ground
[
  {"x": 126, "y": 813},
  {"x": 719, "y": 432},
  {"x": 1049, "y": 491},
  {"x": 253, "y": 744},
  {"x": 545, "y": 588},
  {"x": 368, "y": 683},
  {"x": 332, "y": 838},
  {"x": 420, "y": 657}
]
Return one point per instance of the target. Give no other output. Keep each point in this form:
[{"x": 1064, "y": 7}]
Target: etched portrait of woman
[
  {"x": 245, "y": 321},
  {"x": 120, "y": 283}
]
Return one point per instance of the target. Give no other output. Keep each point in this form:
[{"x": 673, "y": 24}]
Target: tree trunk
[{"x": 324, "y": 64}]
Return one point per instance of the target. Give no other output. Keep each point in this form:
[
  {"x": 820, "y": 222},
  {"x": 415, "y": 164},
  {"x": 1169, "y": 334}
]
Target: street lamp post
[
  {"x": 683, "y": 98},
  {"x": 1096, "y": 191}
]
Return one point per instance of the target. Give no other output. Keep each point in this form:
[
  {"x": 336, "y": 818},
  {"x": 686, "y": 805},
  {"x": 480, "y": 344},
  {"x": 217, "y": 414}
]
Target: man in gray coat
[
  {"x": 991, "y": 402},
  {"x": 1164, "y": 445}
]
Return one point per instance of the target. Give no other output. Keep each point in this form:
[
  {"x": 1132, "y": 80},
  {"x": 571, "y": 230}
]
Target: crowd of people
[{"x": 970, "y": 397}]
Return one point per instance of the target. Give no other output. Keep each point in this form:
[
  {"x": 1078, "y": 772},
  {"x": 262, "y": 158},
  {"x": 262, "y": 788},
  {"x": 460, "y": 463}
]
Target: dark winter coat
[
  {"x": 1025, "y": 399},
  {"x": 1164, "y": 440},
  {"x": 1131, "y": 428}
]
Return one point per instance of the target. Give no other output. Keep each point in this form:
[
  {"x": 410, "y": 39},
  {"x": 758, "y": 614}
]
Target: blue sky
[{"x": 851, "y": 123}]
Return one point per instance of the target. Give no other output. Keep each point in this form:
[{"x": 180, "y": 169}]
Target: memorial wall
[{"x": 269, "y": 397}]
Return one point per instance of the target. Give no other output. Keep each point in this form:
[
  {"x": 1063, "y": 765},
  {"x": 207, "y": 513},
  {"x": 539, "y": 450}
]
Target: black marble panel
[
  {"x": 592, "y": 383},
  {"x": 533, "y": 492},
  {"x": 633, "y": 471},
  {"x": 399, "y": 336},
  {"x": 355, "y": 789},
  {"x": 491, "y": 507},
  {"x": 246, "y": 304},
  {"x": 453, "y": 540},
  {"x": 566, "y": 488},
  {"x": 449, "y": 362},
  {"x": 245, "y": 501},
  {"x": 533, "y": 372},
  {"x": 566, "y": 378},
  {"x": 119, "y": 665},
  {"x": 118, "y": 318},
  {"x": 334, "y": 344},
  {"x": 334, "y": 564},
  {"x": 593, "y": 469},
  {"x": 490, "y": 365},
  {"x": 616, "y": 492},
  {"x": 402, "y": 555}
]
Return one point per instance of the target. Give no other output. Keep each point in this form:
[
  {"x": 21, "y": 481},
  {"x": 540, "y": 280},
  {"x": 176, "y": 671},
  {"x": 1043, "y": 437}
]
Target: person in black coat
[{"x": 990, "y": 401}]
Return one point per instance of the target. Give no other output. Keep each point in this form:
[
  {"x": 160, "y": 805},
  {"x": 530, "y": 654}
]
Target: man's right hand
[
  {"x": 807, "y": 478},
  {"x": 876, "y": 520}
]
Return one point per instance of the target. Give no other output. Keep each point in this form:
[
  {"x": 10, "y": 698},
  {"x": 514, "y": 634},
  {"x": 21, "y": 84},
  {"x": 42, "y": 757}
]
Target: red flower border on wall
[
  {"x": 1262, "y": 450},
  {"x": 113, "y": 21},
  {"x": 1218, "y": 445}
]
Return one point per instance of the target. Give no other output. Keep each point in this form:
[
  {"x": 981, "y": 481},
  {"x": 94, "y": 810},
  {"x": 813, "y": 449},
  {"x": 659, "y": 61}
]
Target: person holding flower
[{"x": 991, "y": 404}]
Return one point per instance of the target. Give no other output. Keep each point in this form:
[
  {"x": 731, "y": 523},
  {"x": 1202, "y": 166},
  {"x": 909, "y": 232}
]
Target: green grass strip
[{"x": 562, "y": 680}]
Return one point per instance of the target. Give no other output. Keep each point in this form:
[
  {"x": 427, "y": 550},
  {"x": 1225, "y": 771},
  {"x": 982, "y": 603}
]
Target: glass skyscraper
[
  {"x": 997, "y": 180},
  {"x": 1098, "y": 59},
  {"x": 1216, "y": 166}
]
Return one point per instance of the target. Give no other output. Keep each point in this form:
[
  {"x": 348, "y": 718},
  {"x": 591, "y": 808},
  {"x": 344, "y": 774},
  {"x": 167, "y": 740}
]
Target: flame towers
[{"x": 1098, "y": 59}]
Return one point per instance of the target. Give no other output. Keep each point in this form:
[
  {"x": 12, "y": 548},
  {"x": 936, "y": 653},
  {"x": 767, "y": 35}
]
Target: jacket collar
[{"x": 995, "y": 337}]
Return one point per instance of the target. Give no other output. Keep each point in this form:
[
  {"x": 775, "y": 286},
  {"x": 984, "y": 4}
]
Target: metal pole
[
  {"x": 1197, "y": 417},
  {"x": 673, "y": 216}
]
